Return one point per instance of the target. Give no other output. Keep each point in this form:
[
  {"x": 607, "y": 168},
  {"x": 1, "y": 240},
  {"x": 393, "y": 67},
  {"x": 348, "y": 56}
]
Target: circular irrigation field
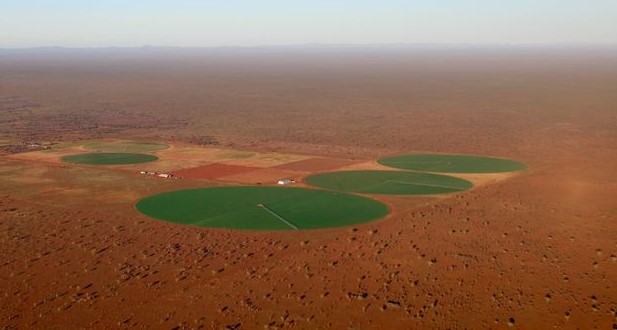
[
  {"x": 452, "y": 163},
  {"x": 124, "y": 146},
  {"x": 389, "y": 182},
  {"x": 261, "y": 208},
  {"x": 101, "y": 158}
]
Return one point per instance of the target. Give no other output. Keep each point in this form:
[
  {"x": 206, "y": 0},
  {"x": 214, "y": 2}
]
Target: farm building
[
  {"x": 146, "y": 172},
  {"x": 285, "y": 182}
]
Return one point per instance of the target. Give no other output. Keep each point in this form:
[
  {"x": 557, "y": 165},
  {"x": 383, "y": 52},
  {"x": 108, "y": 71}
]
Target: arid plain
[{"x": 533, "y": 250}]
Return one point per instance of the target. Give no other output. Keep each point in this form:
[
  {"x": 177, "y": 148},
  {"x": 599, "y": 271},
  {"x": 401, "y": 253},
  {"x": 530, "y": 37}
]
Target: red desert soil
[
  {"x": 213, "y": 171},
  {"x": 535, "y": 251}
]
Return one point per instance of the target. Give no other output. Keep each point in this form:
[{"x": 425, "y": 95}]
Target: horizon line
[{"x": 326, "y": 45}]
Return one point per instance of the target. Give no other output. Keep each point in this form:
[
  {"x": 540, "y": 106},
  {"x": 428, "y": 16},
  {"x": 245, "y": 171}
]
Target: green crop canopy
[
  {"x": 261, "y": 208},
  {"x": 109, "y": 158},
  {"x": 452, "y": 163},
  {"x": 389, "y": 182}
]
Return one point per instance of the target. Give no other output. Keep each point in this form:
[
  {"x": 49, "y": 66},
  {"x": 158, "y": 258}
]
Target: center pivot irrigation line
[
  {"x": 263, "y": 206},
  {"x": 447, "y": 163},
  {"x": 424, "y": 184}
]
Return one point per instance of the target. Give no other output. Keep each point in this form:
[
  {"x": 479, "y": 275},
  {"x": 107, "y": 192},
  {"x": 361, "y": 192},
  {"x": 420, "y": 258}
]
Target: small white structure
[
  {"x": 165, "y": 175},
  {"x": 285, "y": 182},
  {"x": 147, "y": 173}
]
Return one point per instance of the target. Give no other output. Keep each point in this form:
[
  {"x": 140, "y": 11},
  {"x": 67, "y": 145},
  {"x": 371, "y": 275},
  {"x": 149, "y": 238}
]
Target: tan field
[{"x": 530, "y": 250}]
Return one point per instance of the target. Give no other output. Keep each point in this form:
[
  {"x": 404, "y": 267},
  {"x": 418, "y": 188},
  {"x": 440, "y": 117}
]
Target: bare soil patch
[
  {"x": 316, "y": 164},
  {"x": 266, "y": 176},
  {"x": 213, "y": 171}
]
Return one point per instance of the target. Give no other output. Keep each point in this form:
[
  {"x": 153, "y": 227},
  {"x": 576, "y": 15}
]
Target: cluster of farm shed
[{"x": 160, "y": 175}]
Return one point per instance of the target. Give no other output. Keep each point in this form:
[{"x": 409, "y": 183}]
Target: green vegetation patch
[
  {"x": 389, "y": 182},
  {"x": 261, "y": 208},
  {"x": 101, "y": 158},
  {"x": 124, "y": 146},
  {"x": 452, "y": 163}
]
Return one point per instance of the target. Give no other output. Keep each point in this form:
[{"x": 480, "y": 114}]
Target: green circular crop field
[
  {"x": 101, "y": 158},
  {"x": 389, "y": 182},
  {"x": 124, "y": 146},
  {"x": 452, "y": 163},
  {"x": 261, "y": 208}
]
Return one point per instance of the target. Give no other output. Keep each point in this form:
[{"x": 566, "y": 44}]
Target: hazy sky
[{"x": 78, "y": 23}]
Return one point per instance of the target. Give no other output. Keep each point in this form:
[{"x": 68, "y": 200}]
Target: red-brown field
[{"x": 535, "y": 250}]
